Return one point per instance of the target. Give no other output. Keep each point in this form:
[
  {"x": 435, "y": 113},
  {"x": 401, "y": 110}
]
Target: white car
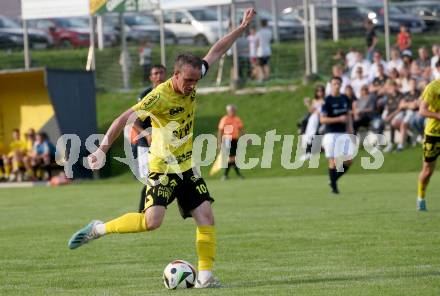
[{"x": 198, "y": 26}]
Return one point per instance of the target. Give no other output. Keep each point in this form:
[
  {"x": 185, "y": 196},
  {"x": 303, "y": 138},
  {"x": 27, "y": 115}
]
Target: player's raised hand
[
  {"x": 96, "y": 160},
  {"x": 248, "y": 16}
]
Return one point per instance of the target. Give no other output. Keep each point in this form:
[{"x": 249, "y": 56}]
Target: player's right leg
[
  {"x": 431, "y": 150},
  {"x": 128, "y": 223},
  {"x": 424, "y": 177}
]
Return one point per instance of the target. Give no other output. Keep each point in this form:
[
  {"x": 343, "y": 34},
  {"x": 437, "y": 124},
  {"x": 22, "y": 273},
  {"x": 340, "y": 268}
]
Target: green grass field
[{"x": 276, "y": 236}]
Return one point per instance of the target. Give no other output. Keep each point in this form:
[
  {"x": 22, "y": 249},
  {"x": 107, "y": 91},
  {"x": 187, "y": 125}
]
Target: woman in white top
[{"x": 314, "y": 108}]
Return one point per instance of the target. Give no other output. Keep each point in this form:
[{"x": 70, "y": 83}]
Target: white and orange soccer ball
[{"x": 179, "y": 274}]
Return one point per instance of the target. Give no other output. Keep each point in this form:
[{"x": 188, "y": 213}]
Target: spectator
[
  {"x": 361, "y": 62},
  {"x": 407, "y": 58},
  {"x": 377, "y": 60},
  {"x": 371, "y": 39},
  {"x": 264, "y": 51},
  {"x": 415, "y": 70},
  {"x": 381, "y": 77},
  {"x": 350, "y": 58},
  {"x": 339, "y": 58},
  {"x": 392, "y": 109},
  {"x": 435, "y": 55},
  {"x": 145, "y": 59},
  {"x": 349, "y": 92},
  {"x": 13, "y": 161},
  {"x": 363, "y": 109},
  {"x": 244, "y": 67},
  {"x": 43, "y": 154},
  {"x": 252, "y": 40},
  {"x": 230, "y": 128},
  {"x": 408, "y": 108},
  {"x": 403, "y": 39},
  {"x": 436, "y": 71},
  {"x": 337, "y": 71},
  {"x": 395, "y": 62},
  {"x": 405, "y": 77},
  {"x": 358, "y": 82},
  {"x": 30, "y": 140},
  {"x": 312, "y": 126},
  {"x": 423, "y": 60}
]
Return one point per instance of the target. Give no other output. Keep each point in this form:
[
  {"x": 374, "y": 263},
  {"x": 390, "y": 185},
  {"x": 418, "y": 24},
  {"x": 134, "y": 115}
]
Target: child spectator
[{"x": 403, "y": 39}]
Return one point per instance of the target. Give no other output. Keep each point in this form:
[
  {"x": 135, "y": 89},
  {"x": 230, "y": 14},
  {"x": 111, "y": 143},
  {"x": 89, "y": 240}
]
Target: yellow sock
[
  {"x": 421, "y": 190},
  {"x": 7, "y": 170},
  {"x": 15, "y": 166},
  {"x": 206, "y": 243},
  {"x": 128, "y": 223}
]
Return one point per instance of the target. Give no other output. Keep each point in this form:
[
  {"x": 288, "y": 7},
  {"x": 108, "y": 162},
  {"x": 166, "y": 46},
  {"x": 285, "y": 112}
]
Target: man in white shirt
[
  {"x": 264, "y": 51},
  {"x": 350, "y": 58},
  {"x": 377, "y": 60},
  {"x": 395, "y": 62},
  {"x": 358, "y": 82},
  {"x": 361, "y": 62}
]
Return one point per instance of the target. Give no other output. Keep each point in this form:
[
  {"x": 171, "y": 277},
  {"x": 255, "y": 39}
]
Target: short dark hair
[
  {"x": 336, "y": 78},
  {"x": 43, "y": 135},
  {"x": 158, "y": 66},
  {"x": 16, "y": 130},
  {"x": 187, "y": 59},
  {"x": 264, "y": 22}
]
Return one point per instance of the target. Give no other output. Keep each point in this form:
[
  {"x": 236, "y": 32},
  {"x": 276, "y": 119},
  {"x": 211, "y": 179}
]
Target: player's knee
[
  {"x": 153, "y": 223},
  {"x": 428, "y": 172}
]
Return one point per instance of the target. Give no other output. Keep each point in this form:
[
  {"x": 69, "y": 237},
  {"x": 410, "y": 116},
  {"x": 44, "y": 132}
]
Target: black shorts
[
  {"x": 191, "y": 191},
  {"x": 233, "y": 150},
  {"x": 262, "y": 61},
  {"x": 431, "y": 148}
]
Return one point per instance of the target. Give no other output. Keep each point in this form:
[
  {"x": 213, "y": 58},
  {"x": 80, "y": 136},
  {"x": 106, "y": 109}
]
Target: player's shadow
[{"x": 330, "y": 279}]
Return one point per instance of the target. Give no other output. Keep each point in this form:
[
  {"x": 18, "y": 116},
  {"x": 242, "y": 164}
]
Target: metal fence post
[{"x": 313, "y": 39}]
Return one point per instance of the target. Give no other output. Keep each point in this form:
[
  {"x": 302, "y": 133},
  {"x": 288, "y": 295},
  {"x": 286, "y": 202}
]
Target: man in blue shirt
[{"x": 336, "y": 114}]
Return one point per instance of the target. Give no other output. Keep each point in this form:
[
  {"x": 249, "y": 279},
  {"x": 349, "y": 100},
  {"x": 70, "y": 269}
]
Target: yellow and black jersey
[
  {"x": 431, "y": 95},
  {"x": 172, "y": 119}
]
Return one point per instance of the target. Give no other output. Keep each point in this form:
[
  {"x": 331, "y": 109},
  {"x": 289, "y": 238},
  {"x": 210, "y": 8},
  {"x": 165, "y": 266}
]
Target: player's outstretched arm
[
  {"x": 95, "y": 159},
  {"x": 222, "y": 46}
]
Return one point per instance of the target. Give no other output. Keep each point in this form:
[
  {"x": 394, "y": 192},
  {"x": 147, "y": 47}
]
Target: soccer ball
[{"x": 179, "y": 274}]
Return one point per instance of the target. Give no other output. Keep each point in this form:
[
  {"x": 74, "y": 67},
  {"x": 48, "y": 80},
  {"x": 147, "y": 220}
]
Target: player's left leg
[{"x": 206, "y": 245}]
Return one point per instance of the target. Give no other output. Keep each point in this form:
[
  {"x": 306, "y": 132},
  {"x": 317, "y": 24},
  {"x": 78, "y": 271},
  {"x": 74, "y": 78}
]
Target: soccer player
[
  {"x": 171, "y": 107},
  {"x": 336, "y": 114},
  {"x": 157, "y": 76},
  {"x": 230, "y": 128},
  {"x": 429, "y": 108},
  {"x": 13, "y": 161}
]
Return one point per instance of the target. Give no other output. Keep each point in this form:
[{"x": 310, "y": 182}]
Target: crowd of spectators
[
  {"x": 28, "y": 159},
  {"x": 385, "y": 95}
]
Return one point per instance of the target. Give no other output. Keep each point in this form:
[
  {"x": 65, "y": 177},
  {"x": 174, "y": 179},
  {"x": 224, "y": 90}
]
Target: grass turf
[{"x": 276, "y": 236}]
